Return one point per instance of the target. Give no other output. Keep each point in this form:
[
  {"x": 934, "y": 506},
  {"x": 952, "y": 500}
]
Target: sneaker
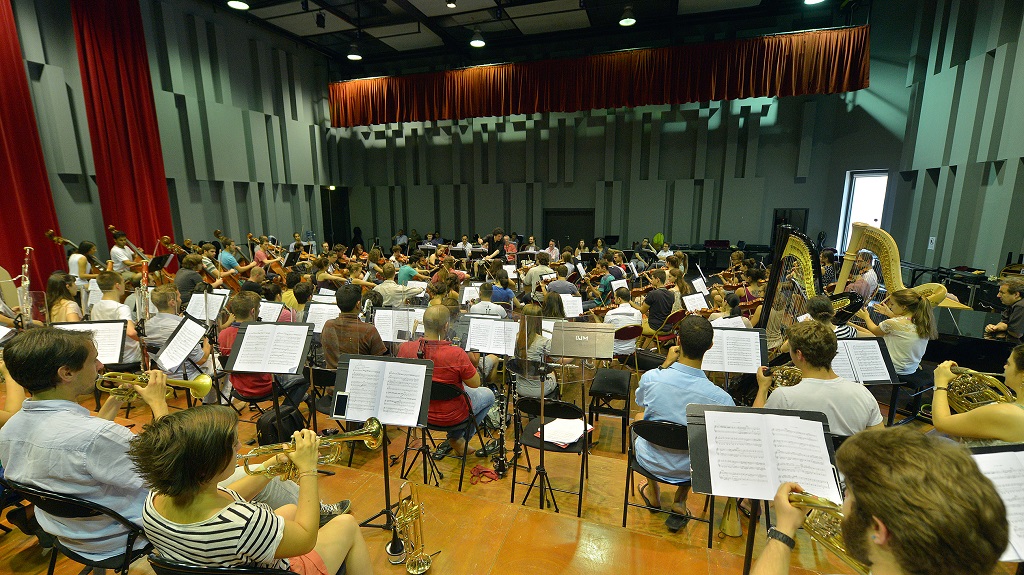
[
  {"x": 329, "y": 510},
  {"x": 489, "y": 449},
  {"x": 442, "y": 450}
]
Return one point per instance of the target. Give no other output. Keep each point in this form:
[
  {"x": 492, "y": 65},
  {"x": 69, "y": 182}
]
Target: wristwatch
[{"x": 774, "y": 533}]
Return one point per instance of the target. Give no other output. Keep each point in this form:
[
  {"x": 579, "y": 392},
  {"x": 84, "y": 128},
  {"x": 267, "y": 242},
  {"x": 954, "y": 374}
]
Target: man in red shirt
[
  {"x": 453, "y": 367},
  {"x": 245, "y": 306}
]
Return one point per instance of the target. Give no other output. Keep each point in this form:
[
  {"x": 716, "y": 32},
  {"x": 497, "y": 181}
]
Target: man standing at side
[
  {"x": 849, "y": 406},
  {"x": 664, "y": 394}
]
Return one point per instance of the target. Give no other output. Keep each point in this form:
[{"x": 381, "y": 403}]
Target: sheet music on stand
[
  {"x": 573, "y": 305},
  {"x": 318, "y": 313},
  {"x": 270, "y": 310},
  {"x": 864, "y": 360},
  {"x": 325, "y": 291},
  {"x": 107, "y": 335},
  {"x": 548, "y": 327},
  {"x": 1004, "y": 466},
  {"x": 510, "y": 270},
  {"x": 205, "y": 307},
  {"x": 748, "y": 452},
  {"x": 394, "y": 390},
  {"x": 180, "y": 344},
  {"x": 329, "y": 299},
  {"x": 5, "y": 334},
  {"x": 700, "y": 286},
  {"x": 95, "y": 293},
  {"x": 469, "y": 293},
  {"x": 632, "y": 269},
  {"x": 278, "y": 348},
  {"x": 734, "y": 321},
  {"x": 222, "y": 291},
  {"x": 497, "y": 336},
  {"x": 418, "y": 284},
  {"x": 396, "y": 325},
  {"x": 695, "y": 301},
  {"x": 736, "y": 351},
  {"x": 616, "y": 284}
]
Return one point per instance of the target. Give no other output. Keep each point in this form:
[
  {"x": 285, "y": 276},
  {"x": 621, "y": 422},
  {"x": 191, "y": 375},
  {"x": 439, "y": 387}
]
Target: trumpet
[
  {"x": 824, "y": 525},
  {"x": 198, "y": 387},
  {"x": 372, "y": 434},
  {"x": 409, "y": 522}
]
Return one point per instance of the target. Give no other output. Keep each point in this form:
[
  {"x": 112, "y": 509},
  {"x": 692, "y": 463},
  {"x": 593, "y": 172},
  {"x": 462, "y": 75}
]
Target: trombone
[
  {"x": 372, "y": 434},
  {"x": 198, "y": 387}
]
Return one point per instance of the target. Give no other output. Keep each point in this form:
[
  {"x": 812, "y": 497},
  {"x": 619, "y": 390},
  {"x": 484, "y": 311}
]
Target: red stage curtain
[
  {"x": 122, "y": 118},
  {"x": 26, "y": 205},
  {"x": 822, "y": 62}
]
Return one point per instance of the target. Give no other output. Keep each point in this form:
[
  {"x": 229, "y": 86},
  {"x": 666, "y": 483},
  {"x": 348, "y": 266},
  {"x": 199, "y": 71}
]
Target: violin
[
  {"x": 637, "y": 292},
  {"x": 93, "y": 261}
]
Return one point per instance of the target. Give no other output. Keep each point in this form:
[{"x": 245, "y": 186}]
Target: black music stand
[
  {"x": 700, "y": 466},
  {"x": 160, "y": 262},
  {"x": 341, "y": 384},
  {"x": 296, "y": 370}
]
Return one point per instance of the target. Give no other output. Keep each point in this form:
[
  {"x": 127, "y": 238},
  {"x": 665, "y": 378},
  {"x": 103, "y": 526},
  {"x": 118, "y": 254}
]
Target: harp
[{"x": 796, "y": 277}]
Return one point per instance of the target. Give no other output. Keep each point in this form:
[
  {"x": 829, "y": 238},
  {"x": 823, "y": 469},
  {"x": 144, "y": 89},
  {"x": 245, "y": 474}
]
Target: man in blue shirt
[
  {"x": 409, "y": 271},
  {"x": 227, "y": 259},
  {"x": 664, "y": 394}
]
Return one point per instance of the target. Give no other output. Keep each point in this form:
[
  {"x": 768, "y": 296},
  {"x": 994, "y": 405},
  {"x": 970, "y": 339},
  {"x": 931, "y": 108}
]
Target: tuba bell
[
  {"x": 824, "y": 525},
  {"x": 372, "y": 434},
  {"x": 198, "y": 387}
]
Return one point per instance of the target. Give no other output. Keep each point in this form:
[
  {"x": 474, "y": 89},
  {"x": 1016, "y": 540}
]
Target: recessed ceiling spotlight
[
  {"x": 627, "y": 17},
  {"x": 811, "y": 2},
  {"x": 451, "y": 4},
  {"x": 237, "y": 5},
  {"x": 478, "y": 40}
]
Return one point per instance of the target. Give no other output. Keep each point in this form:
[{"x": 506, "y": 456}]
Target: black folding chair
[
  {"x": 611, "y": 385},
  {"x": 70, "y": 507},
  {"x": 667, "y": 435},
  {"x": 553, "y": 409}
]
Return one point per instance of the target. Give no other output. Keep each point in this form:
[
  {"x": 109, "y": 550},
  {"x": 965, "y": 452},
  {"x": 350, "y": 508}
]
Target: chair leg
[
  {"x": 583, "y": 468},
  {"x": 53, "y": 560},
  {"x": 462, "y": 472},
  {"x": 625, "y": 494}
]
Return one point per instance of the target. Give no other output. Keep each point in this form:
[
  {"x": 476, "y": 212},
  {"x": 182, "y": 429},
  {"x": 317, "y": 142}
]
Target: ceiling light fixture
[
  {"x": 237, "y": 5},
  {"x": 627, "y": 16},
  {"x": 321, "y": 20},
  {"x": 812, "y": 2},
  {"x": 451, "y": 4},
  {"x": 353, "y": 53},
  {"x": 330, "y": 188},
  {"x": 478, "y": 40}
]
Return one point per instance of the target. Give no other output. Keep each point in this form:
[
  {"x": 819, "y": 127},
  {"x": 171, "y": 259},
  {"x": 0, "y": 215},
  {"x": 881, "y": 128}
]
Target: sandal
[
  {"x": 442, "y": 450},
  {"x": 675, "y": 521},
  {"x": 653, "y": 508},
  {"x": 481, "y": 474}
]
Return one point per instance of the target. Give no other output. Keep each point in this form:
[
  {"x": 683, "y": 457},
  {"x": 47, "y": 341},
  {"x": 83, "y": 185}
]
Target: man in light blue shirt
[
  {"x": 409, "y": 271},
  {"x": 664, "y": 394}
]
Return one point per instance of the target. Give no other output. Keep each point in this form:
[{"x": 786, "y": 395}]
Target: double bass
[{"x": 93, "y": 260}]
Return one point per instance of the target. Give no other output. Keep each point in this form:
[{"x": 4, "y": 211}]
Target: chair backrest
[
  {"x": 664, "y": 434},
  {"x": 553, "y": 408},
  {"x": 444, "y": 391},
  {"x": 67, "y": 506},
  {"x": 163, "y": 566},
  {"x": 320, "y": 377},
  {"x": 629, "y": 332},
  {"x": 837, "y": 441},
  {"x": 675, "y": 317},
  {"x": 528, "y": 368}
]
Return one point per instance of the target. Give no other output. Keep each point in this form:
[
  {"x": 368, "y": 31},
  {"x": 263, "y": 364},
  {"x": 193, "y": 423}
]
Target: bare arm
[{"x": 869, "y": 324}]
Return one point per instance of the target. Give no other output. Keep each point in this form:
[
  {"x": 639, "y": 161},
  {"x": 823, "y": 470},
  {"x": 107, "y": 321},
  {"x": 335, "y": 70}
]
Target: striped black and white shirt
[{"x": 241, "y": 534}]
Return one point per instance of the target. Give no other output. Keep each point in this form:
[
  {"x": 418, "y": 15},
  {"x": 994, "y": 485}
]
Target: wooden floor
[{"x": 479, "y": 531}]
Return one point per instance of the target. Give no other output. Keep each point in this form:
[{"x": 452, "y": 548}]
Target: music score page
[
  {"x": 271, "y": 348},
  {"x": 735, "y": 351},
  {"x": 1006, "y": 471},
  {"x": 751, "y": 454},
  {"x": 860, "y": 361},
  {"x": 390, "y": 391}
]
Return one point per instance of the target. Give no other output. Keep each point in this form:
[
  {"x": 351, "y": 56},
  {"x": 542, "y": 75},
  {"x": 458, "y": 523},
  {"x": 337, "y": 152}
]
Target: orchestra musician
[
  {"x": 124, "y": 258},
  {"x": 209, "y": 257},
  {"x": 622, "y": 315},
  {"x": 993, "y": 424},
  {"x": 552, "y": 251},
  {"x": 263, "y": 255},
  {"x": 409, "y": 271},
  {"x": 533, "y": 346},
  {"x": 849, "y": 406},
  {"x": 647, "y": 251},
  {"x": 322, "y": 277},
  {"x": 1011, "y": 293},
  {"x": 255, "y": 281},
  {"x": 485, "y": 305},
  {"x": 346, "y": 333},
  {"x": 581, "y": 248},
  {"x": 111, "y": 308},
  {"x": 401, "y": 240},
  {"x": 464, "y": 244},
  {"x": 397, "y": 257},
  {"x": 529, "y": 246},
  {"x": 867, "y": 283},
  {"x": 534, "y": 275},
  {"x": 906, "y": 332},
  {"x": 227, "y": 258},
  {"x": 188, "y": 276},
  {"x": 355, "y": 276},
  {"x": 664, "y": 252},
  {"x": 60, "y": 298},
  {"x": 730, "y": 307},
  {"x": 829, "y": 270},
  {"x": 272, "y": 292},
  {"x": 297, "y": 244},
  {"x": 553, "y": 306},
  {"x": 914, "y": 505},
  {"x": 80, "y": 265},
  {"x": 393, "y": 293},
  {"x": 560, "y": 285},
  {"x": 602, "y": 293},
  {"x": 600, "y": 249},
  {"x": 503, "y": 289},
  {"x": 291, "y": 279},
  {"x": 183, "y": 458},
  {"x": 657, "y": 304}
]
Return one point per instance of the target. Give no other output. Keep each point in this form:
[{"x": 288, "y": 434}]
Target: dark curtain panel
[
  {"x": 823, "y": 62},
  {"x": 26, "y": 205},
  {"x": 122, "y": 119}
]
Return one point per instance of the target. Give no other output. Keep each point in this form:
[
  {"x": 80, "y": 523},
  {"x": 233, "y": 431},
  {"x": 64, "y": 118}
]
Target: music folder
[
  {"x": 574, "y": 339},
  {"x": 736, "y": 351},
  {"x": 107, "y": 335},
  {"x": 270, "y": 348},
  {"x": 864, "y": 360},
  {"x": 394, "y": 390}
]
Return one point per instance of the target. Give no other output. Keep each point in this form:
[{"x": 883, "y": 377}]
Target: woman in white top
[
  {"x": 731, "y": 308},
  {"x": 907, "y": 331},
  {"x": 60, "y": 298},
  {"x": 995, "y": 422},
  {"x": 182, "y": 456},
  {"x": 79, "y": 264}
]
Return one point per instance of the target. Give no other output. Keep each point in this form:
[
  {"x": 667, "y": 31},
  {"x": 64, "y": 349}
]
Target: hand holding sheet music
[{"x": 751, "y": 454}]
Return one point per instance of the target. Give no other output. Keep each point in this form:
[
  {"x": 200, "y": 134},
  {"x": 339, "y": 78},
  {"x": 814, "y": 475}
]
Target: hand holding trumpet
[{"x": 304, "y": 457}]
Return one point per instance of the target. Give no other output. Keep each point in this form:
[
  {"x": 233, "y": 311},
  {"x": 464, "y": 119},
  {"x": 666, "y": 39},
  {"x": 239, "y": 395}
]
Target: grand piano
[{"x": 962, "y": 338}]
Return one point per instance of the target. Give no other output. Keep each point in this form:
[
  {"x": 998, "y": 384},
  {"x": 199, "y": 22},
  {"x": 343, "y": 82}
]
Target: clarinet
[{"x": 24, "y": 297}]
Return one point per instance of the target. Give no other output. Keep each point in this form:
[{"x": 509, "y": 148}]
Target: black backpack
[{"x": 266, "y": 426}]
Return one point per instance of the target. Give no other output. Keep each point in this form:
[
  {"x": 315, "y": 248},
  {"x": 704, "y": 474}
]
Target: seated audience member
[
  {"x": 188, "y": 515},
  {"x": 664, "y": 394},
  {"x": 915, "y": 505},
  {"x": 188, "y": 277},
  {"x": 245, "y": 306},
  {"x": 60, "y": 298},
  {"x": 346, "y": 333},
  {"x": 111, "y": 308},
  {"x": 485, "y": 305},
  {"x": 394, "y": 294},
  {"x": 992, "y": 424},
  {"x": 452, "y": 366},
  {"x": 849, "y": 406},
  {"x": 1011, "y": 294}
]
